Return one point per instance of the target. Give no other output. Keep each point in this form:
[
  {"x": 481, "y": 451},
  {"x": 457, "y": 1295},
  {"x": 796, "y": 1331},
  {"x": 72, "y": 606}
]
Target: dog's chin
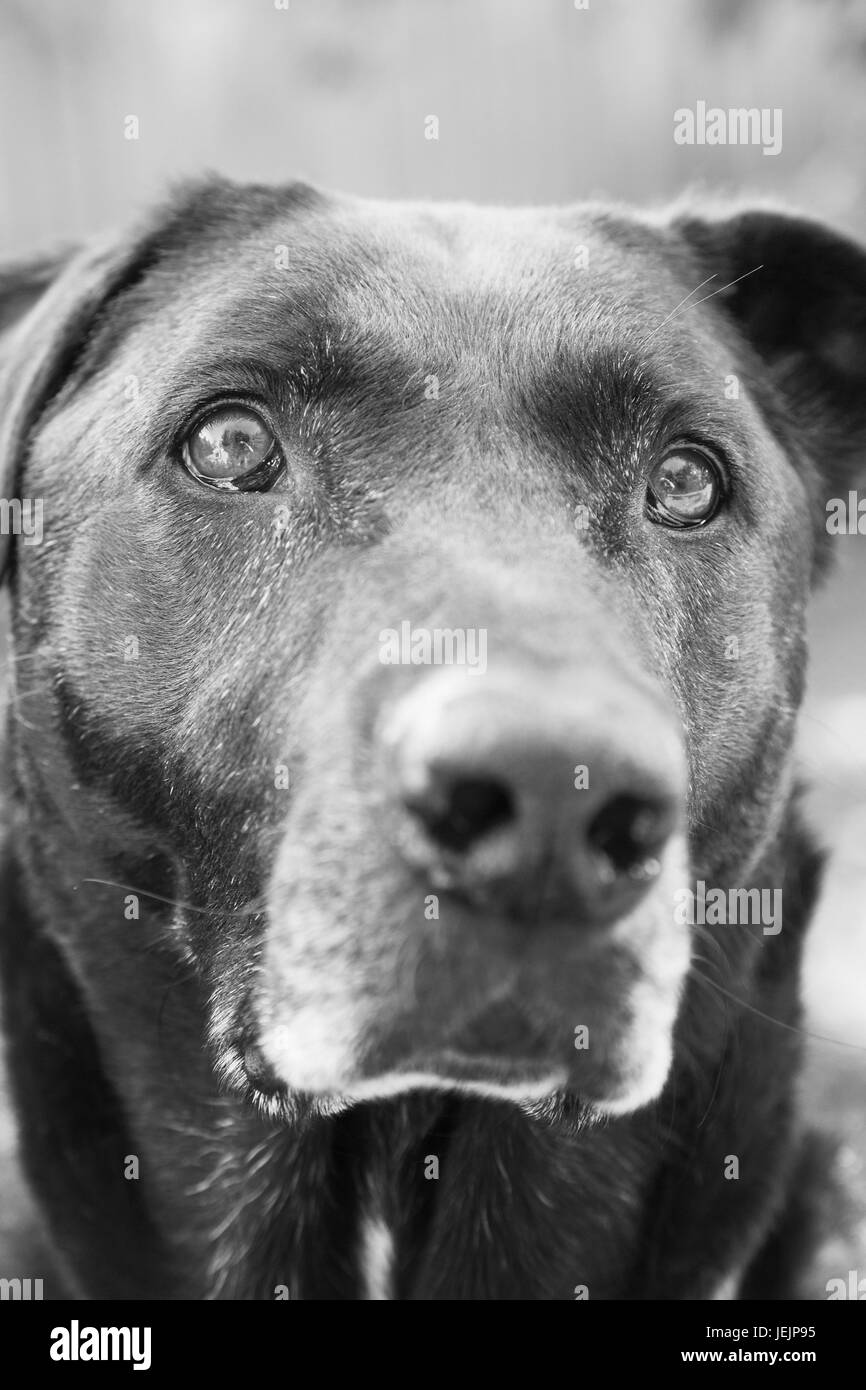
[
  {"x": 520, "y": 1082},
  {"x": 611, "y": 1091},
  {"x": 538, "y": 1083}
]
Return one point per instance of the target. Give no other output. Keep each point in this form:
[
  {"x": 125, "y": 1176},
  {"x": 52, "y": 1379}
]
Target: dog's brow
[
  {"x": 311, "y": 368},
  {"x": 295, "y": 374}
]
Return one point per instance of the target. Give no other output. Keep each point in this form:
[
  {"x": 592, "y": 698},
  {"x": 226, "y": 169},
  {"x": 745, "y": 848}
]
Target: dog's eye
[
  {"x": 233, "y": 449},
  {"x": 684, "y": 489}
]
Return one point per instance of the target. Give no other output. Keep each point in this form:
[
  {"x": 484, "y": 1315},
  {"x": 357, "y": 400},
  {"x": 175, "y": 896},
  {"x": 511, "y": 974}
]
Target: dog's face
[{"x": 284, "y": 443}]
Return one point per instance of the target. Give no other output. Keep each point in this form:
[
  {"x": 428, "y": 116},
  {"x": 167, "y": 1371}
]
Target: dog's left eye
[
  {"x": 684, "y": 488},
  {"x": 234, "y": 449}
]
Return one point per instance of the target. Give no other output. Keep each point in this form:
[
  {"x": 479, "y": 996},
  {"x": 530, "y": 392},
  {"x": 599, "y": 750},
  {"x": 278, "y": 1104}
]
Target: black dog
[{"x": 418, "y": 620}]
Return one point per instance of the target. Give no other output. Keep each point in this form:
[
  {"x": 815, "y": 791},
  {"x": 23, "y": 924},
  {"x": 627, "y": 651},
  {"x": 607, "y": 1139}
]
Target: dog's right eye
[
  {"x": 685, "y": 488},
  {"x": 233, "y": 449}
]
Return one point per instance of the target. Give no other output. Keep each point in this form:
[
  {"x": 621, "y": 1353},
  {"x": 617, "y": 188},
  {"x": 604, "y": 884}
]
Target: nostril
[
  {"x": 462, "y": 811},
  {"x": 628, "y": 830}
]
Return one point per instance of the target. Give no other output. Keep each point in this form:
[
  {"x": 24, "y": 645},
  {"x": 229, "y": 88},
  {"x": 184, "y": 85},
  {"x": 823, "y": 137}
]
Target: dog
[{"x": 417, "y": 622}]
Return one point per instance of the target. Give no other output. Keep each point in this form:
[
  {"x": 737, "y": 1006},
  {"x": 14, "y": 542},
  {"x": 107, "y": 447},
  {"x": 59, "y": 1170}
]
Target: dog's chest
[
  {"x": 431, "y": 1200},
  {"x": 376, "y": 1255}
]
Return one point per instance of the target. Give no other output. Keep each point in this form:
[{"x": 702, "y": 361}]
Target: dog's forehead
[
  {"x": 436, "y": 272},
  {"x": 318, "y": 294}
]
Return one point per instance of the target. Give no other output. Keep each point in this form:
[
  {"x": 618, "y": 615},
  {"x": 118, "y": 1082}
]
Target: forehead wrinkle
[
  {"x": 483, "y": 288},
  {"x": 488, "y": 286},
  {"x": 472, "y": 278}
]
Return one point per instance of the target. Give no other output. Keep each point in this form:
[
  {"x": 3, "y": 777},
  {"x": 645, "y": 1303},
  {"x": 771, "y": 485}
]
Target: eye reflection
[
  {"x": 233, "y": 448},
  {"x": 684, "y": 488}
]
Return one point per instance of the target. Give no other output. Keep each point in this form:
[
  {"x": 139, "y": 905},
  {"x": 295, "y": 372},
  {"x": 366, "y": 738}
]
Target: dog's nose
[{"x": 528, "y": 798}]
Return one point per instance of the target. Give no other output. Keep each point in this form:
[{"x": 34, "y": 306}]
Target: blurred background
[{"x": 537, "y": 100}]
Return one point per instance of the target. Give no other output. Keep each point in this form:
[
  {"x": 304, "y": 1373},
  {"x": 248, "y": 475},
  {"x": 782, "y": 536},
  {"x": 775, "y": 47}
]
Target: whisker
[
  {"x": 250, "y": 910},
  {"x": 789, "y": 1027},
  {"x": 695, "y": 302},
  {"x": 679, "y": 306}
]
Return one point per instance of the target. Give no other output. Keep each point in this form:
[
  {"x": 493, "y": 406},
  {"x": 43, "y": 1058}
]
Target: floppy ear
[
  {"x": 804, "y": 314},
  {"x": 21, "y": 286},
  {"x": 49, "y": 311},
  {"x": 46, "y": 311},
  {"x": 23, "y": 282}
]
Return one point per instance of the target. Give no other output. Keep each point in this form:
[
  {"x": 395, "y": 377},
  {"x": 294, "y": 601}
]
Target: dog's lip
[
  {"x": 244, "y": 1069},
  {"x": 538, "y": 1075},
  {"x": 495, "y": 1041},
  {"x": 522, "y": 1083},
  {"x": 257, "y": 1068},
  {"x": 499, "y": 1046}
]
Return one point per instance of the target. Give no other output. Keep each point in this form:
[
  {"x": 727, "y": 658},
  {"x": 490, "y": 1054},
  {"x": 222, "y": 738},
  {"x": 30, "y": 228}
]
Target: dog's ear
[
  {"x": 23, "y": 282},
  {"x": 797, "y": 292},
  {"x": 47, "y": 308}
]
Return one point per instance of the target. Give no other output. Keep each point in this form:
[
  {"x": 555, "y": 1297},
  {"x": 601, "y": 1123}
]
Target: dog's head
[{"x": 424, "y": 586}]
